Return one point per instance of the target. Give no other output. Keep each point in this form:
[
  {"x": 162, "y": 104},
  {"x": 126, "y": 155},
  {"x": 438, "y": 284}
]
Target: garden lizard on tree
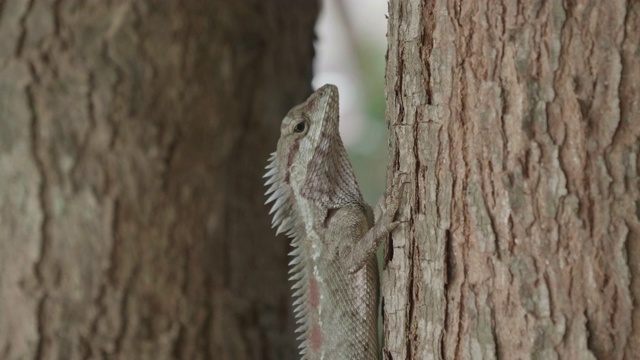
[{"x": 318, "y": 204}]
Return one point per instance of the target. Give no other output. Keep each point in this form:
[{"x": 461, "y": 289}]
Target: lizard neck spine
[{"x": 284, "y": 218}]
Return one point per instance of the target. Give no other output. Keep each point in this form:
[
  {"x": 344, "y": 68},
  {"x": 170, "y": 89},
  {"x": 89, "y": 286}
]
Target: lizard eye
[{"x": 300, "y": 127}]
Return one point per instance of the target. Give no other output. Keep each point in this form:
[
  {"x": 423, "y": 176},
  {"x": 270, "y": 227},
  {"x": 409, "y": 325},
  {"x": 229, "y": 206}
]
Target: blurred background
[
  {"x": 133, "y": 139},
  {"x": 350, "y": 53}
]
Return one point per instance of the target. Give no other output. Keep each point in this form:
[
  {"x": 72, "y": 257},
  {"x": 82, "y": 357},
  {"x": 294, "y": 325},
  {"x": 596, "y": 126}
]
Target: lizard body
[{"x": 317, "y": 203}]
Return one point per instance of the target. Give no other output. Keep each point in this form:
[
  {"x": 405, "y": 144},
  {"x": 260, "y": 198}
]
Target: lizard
[{"x": 318, "y": 204}]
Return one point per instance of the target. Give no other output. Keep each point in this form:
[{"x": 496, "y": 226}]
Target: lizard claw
[
  {"x": 399, "y": 183},
  {"x": 388, "y": 205},
  {"x": 394, "y": 197},
  {"x": 395, "y": 224}
]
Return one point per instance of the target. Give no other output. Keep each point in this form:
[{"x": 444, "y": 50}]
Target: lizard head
[
  {"x": 310, "y": 158},
  {"x": 302, "y": 130}
]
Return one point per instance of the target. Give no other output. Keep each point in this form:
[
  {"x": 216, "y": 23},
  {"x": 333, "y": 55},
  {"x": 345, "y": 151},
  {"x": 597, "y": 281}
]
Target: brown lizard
[{"x": 318, "y": 204}]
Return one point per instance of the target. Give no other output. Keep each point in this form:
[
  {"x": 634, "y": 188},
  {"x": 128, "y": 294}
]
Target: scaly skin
[{"x": 318, "y": 204}]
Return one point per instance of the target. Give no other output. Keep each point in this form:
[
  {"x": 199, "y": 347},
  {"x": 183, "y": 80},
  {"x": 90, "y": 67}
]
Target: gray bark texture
[
  {"x": 518, "y": 124},
  {"x": 133, "y": 137}
]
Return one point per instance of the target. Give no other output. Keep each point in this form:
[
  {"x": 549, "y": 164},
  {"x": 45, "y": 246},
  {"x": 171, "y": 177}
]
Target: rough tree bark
[
  {"x": 132, "y": 140},
  {"x": 519, "y": 125}
]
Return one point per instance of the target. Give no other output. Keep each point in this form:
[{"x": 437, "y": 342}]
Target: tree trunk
[
  {"x": 133, "y": 137},
  {"x": 518, "y": 124}
]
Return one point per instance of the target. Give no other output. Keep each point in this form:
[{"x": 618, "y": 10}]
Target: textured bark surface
[
  {"x": 133, "y": 136},
  {"x": 518, "y": 123}
]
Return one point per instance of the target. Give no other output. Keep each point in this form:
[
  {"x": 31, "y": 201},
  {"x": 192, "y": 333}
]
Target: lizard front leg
[{"x": 355, "y": 254}]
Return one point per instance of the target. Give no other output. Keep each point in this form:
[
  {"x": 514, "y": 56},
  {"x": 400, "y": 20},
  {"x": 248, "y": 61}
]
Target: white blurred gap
[{"x": 341, "y": 27}]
